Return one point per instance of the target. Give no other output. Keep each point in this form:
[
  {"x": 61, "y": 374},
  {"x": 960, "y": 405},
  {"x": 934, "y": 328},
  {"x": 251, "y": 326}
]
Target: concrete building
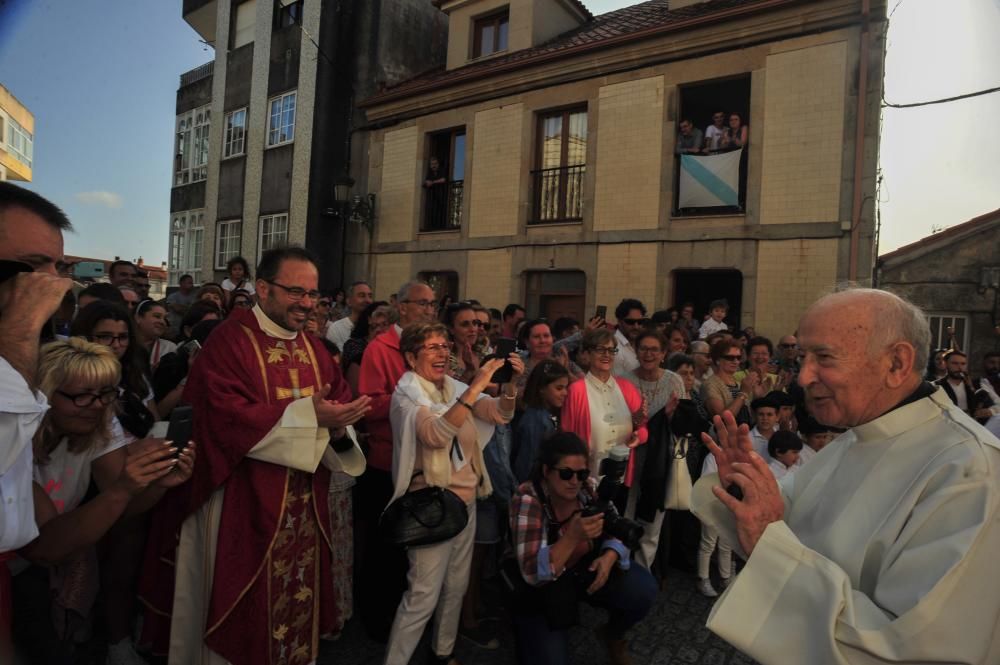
[
  {"x": 17, "y": 138},
  {"x": 555, "y": 132},
  {"x": 266, "y": 129},
  {"x": 954, "y": 275}
]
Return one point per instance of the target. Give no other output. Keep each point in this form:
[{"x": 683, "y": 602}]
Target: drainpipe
[{"x": 859, "y": 140}]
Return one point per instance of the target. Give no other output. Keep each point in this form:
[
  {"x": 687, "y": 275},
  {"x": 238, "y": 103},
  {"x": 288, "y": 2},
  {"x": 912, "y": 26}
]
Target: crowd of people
[{"x": 408, "y": 461}]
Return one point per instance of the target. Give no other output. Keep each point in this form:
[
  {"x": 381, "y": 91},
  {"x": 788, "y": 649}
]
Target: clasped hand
[{"x": 739, "y": 464}]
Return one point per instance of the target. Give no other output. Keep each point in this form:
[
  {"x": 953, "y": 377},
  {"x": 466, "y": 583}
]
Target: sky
[{"x": 101, "y": 79}]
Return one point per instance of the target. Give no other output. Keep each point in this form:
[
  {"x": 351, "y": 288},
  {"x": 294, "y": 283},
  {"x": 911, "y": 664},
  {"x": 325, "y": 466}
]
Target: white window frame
[
  {"x": 281, "y": 119},
  {"x": 236, "y": 133},
  {"x": 20, "y": 142},
  {"x": 191, "y": 145},
  {"x": 272, "y": 232},
  {"x": 940, "y": 321},
  {"x": 187, "y": 240},
  {"x": 228, "y": 237}
]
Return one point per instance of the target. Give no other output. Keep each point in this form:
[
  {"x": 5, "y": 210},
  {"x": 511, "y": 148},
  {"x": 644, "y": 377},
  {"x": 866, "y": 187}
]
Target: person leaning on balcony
[
  {"x": 688, "y": 140},
  {"x": 737, "y": 134},
  {"x": 715, "y": 132}
]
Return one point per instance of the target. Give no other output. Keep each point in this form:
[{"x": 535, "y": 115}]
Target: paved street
[{"x": 673, "y": 634}]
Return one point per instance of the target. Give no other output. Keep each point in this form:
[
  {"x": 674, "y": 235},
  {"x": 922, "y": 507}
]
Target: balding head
[{"x": 863, "y": 352}]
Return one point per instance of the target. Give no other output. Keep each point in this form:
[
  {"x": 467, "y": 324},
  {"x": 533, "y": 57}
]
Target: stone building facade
[
  {"x": 559, "y": 142},
  {"x": 954, "y": 276},
  {"x": 265, "y": 130}
]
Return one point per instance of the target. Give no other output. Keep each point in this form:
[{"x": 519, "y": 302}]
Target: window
[
  {"x": 273, "y": 232},
  {"x": 228, "y": 235},
  {"x": 443, "y": 283},
  {"x": 19, "y": 142},
  {"x": 489, "y": 33},
  {"x": 715, "y": 182},
  {"x": 444, "y": 181},
  {"x": 236, "y": 124},
  {"x": 288, "y": 12},
  {"x": 281, "y": 122},
  {"x": 191, "y": 148},
  {"x": 245, "y": 23},
  {"x": 949, "y": 330},
  {"x": 186, "y": 235},
  {"x": 561, "y": 166}
]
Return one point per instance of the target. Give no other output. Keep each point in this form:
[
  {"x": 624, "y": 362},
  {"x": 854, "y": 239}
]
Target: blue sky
[{"x": 101, "y": 77}]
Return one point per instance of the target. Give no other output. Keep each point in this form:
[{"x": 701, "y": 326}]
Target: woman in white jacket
[{"x": 439, "y": 428}]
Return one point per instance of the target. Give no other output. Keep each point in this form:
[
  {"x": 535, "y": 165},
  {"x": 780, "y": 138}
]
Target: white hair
[
  {"x": 897, "y": 320},
  {"x": 405, "y": 289}
]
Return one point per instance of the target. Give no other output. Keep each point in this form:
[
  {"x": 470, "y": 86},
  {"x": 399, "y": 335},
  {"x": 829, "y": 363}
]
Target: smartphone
[
  {"x": 602, "y": 312},
  {"x": 179, "y": 430},
  {"x": 505, "y": 346},
  {"x": 9, "y": 269}
]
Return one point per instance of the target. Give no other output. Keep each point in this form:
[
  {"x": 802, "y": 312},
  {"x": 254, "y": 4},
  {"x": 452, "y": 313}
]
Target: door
[{"x": 701, "y": 287}]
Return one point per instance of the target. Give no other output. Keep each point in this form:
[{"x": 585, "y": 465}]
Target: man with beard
[
  {"x": 883, "y": 548},
  {"x": 956, "y": 383},
  {"x": 272, "y": 413}
]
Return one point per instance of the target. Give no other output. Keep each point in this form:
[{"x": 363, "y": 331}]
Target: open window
[
  {"x": 711, "y": 146},
  {"x": 444, "y": 181}
]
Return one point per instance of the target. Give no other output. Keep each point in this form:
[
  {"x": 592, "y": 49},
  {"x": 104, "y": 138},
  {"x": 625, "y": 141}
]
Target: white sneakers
[{"x": 706, "y": 588}]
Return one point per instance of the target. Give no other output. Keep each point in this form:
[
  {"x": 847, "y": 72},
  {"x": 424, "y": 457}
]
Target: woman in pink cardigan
[{"x": 604, "y": 410}]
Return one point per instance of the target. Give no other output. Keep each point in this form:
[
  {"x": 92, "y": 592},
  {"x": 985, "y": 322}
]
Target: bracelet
[
  {"x": 506, "y": 396},
  {"x": 465, "y": 404}
]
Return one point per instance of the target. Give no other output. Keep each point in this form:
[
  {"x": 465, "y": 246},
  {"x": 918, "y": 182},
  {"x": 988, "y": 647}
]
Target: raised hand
[
  {"x": 485, "y": 374},
  {"x": 734, "y": 446},
  {"x": 153, "y": 461},
  {"x": 761, "y": 505},
  {"x": 182, "y": 471}
]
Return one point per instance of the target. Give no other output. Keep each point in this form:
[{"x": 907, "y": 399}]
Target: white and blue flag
[{"x": 709, "y": 181}]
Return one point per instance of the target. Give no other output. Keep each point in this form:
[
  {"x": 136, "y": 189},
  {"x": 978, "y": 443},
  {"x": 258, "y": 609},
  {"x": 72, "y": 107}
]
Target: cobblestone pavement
[{"x": 674, "y": 633}]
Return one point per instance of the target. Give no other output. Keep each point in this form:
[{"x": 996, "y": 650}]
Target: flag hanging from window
[{"x": 709, "y": 181}]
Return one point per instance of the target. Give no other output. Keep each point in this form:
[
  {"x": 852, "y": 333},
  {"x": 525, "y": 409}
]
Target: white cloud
[{"x": 106, "y": 199}]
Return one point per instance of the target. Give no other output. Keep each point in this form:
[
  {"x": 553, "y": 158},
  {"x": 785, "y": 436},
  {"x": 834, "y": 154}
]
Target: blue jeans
[{"x": 627, "y": 596}]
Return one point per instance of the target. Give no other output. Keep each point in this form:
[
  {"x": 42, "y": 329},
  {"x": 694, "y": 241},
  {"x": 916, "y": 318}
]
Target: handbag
[
  {"x": 679, "y": 482},
  {"x": 425, "y": 516}
]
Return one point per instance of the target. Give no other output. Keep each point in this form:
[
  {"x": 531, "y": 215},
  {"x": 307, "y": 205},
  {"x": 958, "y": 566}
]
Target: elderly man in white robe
[{"x": 883, "y": 548}]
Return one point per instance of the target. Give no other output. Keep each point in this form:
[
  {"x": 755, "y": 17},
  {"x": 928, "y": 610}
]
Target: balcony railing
[
  {"x": 558, "y": 194},
  {"x": 198, "y": 73},
  {"x": 443, "y": 207}
]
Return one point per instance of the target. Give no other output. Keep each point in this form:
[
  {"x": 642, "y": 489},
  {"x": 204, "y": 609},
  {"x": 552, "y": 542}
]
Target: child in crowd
[
  {"x": 784, "y": 448},
  {"x": 717, "y": 311},
  {"x": 817, "y": 437},
  {"x": 765, "y": 411},
  {"x": 709, "y": 540}
]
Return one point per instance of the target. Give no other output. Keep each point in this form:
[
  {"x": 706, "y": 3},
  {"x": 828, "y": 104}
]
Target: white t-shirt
[
  {"x": 710, "y": 327},
  {"x": 713, "y": 136},
  {"x": 339, "y": 331},
  {"x": 66, "y": 476},
  {"x": 229, "y": 285}
]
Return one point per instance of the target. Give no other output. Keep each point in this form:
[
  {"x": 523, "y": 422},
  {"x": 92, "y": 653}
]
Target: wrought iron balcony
[
  {"x": 558, "y": 194},
  {"x": 443, "y": 207}
]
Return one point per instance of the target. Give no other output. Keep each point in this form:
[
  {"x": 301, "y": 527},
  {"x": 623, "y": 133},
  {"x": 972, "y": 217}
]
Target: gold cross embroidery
[{"x": 295, "y": 392}]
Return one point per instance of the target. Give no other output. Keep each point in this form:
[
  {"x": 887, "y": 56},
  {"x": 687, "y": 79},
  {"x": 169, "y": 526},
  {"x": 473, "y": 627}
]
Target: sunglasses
[
  {"x": 634, "y": 322},
  {"x": 733, "y": 359},
  {"x": 566, "y": 473}
]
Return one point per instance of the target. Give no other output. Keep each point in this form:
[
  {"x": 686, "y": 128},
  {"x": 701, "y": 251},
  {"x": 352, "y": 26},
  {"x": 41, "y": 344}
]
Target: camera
[{"x": 615, "y": 526}]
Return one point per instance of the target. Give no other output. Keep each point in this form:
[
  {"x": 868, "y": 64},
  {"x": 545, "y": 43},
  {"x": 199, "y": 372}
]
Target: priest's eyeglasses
[
  {"x": 83, "y": 400},
  {"x": 296, "y": 292}
]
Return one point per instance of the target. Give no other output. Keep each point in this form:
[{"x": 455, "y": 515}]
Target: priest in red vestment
[{"x": 272, "y": 415}]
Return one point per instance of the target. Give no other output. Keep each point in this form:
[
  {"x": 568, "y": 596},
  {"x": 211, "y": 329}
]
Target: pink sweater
[{"x": 576, "y": 415}]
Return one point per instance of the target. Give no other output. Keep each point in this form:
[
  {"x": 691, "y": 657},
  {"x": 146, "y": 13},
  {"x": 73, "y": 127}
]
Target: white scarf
[{"x": 409, "y": 396}]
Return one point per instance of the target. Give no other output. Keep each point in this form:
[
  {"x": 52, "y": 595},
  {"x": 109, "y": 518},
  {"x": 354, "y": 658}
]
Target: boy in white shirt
[
  {"x": 717, "y": 311},
  {"x": 784, "y": 448},
  {"x": 765, "y": 410},
  {"x": 816, "y": 436}
]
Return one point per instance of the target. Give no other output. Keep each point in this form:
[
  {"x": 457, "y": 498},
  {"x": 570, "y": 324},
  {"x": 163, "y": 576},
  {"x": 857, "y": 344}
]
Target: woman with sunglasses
[
  {"x": 150, "y": 326},
  {"x": 439, "y": 428},
  {"x": 721, "y": 392},
  {"x": 563, "y": 558},
  {"x": 544, "y": 395},
  {"x": 78, "y": 441}
]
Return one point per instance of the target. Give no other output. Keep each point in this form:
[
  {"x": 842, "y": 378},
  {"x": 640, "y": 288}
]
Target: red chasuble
[{"x": 270, "y": 598}]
